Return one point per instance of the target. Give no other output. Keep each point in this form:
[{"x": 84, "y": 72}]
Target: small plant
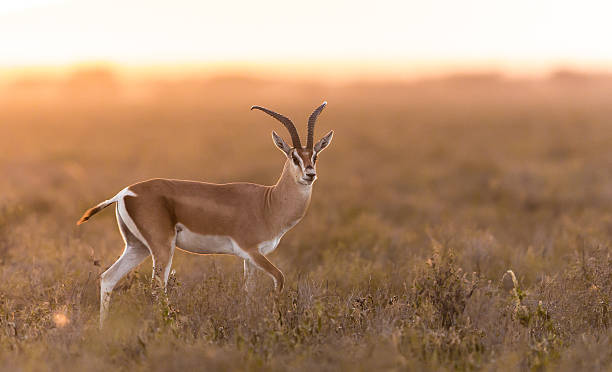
[{"x": 444, "y": 285}]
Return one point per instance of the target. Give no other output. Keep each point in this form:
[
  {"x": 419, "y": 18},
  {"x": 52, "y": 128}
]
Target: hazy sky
[{"x": 38, "y": 32}]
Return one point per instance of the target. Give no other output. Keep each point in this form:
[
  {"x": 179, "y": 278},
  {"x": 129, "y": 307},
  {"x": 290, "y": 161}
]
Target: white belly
[
  {"x": 190, "y": 241},
  {"x": 206, "y": 244}
]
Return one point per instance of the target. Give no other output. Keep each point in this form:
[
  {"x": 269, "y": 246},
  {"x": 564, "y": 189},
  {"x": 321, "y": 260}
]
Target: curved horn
[
  {"x": 286, "y": 122},
  {"x": 311, "y": 124}
]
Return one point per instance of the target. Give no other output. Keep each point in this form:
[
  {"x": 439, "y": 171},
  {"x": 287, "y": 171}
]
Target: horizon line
[{"x": 334, "y": 69}]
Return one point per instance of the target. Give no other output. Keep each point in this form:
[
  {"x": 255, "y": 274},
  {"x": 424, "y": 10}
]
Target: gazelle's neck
[{"x": 287, "y": 200}]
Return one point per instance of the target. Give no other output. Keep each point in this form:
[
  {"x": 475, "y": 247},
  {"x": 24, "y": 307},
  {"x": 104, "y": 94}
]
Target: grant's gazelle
[{"x": 242, "y": 219}]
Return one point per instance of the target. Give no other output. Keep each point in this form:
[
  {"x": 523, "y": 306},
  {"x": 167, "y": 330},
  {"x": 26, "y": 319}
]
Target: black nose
[{"x": 311, "y": 175}]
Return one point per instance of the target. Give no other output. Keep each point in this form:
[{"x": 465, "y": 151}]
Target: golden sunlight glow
[
  {"x": 60, "y": 319},
  {"x": 385, "y": 33}
]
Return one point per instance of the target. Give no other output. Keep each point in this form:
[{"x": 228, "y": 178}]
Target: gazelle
[{"x": 242, "y": 219}]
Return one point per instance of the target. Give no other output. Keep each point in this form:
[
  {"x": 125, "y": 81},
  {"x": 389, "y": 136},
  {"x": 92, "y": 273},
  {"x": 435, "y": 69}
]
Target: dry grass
[{"x": 429, "y": 193}]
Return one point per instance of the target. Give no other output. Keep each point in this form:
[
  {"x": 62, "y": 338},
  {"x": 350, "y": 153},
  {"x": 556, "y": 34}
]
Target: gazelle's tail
[{"x": 91, "y": 211}]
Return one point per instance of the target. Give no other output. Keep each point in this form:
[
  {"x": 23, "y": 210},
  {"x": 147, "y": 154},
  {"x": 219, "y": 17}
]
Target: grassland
[{"x": 429, "y": 193}]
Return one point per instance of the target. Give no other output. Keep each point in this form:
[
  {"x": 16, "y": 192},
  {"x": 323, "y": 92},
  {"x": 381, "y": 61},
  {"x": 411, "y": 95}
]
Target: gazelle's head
[{"x": 302, "y": 161}]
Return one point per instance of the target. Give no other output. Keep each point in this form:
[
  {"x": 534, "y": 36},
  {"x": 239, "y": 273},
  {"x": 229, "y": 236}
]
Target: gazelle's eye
[
  {"x": 314, "y": 159},
  {"x": 295, "y": 160}
]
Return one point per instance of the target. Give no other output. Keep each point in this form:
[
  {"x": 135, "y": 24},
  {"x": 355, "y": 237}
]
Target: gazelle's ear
[
  {"x": 323, "y": 142},
  {"x": 280, "y": 143}
]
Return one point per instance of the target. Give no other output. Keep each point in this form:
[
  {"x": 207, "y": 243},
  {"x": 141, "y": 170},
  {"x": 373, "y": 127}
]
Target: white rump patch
[{"x": 127, "y": 219}]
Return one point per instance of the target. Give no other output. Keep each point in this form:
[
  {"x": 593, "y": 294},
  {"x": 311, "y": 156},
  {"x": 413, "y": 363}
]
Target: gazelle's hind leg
[
  {"x": 163, "y": 252},
  {"x": 169, "y": 263},
  {"x": 134, "y": 253},
  {"x": 158, "y": 230}
]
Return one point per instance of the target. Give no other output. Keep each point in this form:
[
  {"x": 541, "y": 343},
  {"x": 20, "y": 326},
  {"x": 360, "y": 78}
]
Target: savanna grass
[{"x": 430, "y": 192}]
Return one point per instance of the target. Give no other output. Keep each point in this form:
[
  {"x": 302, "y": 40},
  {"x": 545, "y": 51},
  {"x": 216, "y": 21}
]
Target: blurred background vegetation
[{"x": 430, "y": 192}]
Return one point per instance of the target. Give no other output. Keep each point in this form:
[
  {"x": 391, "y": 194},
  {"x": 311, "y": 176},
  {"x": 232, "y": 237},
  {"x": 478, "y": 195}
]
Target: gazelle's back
[{"x": 204, "y": 208}]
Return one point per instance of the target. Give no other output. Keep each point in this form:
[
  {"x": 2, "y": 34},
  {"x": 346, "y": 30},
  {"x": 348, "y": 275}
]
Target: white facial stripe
[{"x": 299, "y": 159}]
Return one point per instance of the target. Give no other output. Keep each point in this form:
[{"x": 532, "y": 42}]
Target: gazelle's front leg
[
  {"x": 249, "y": 276},
  {"x": 261, "y": 262}
]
